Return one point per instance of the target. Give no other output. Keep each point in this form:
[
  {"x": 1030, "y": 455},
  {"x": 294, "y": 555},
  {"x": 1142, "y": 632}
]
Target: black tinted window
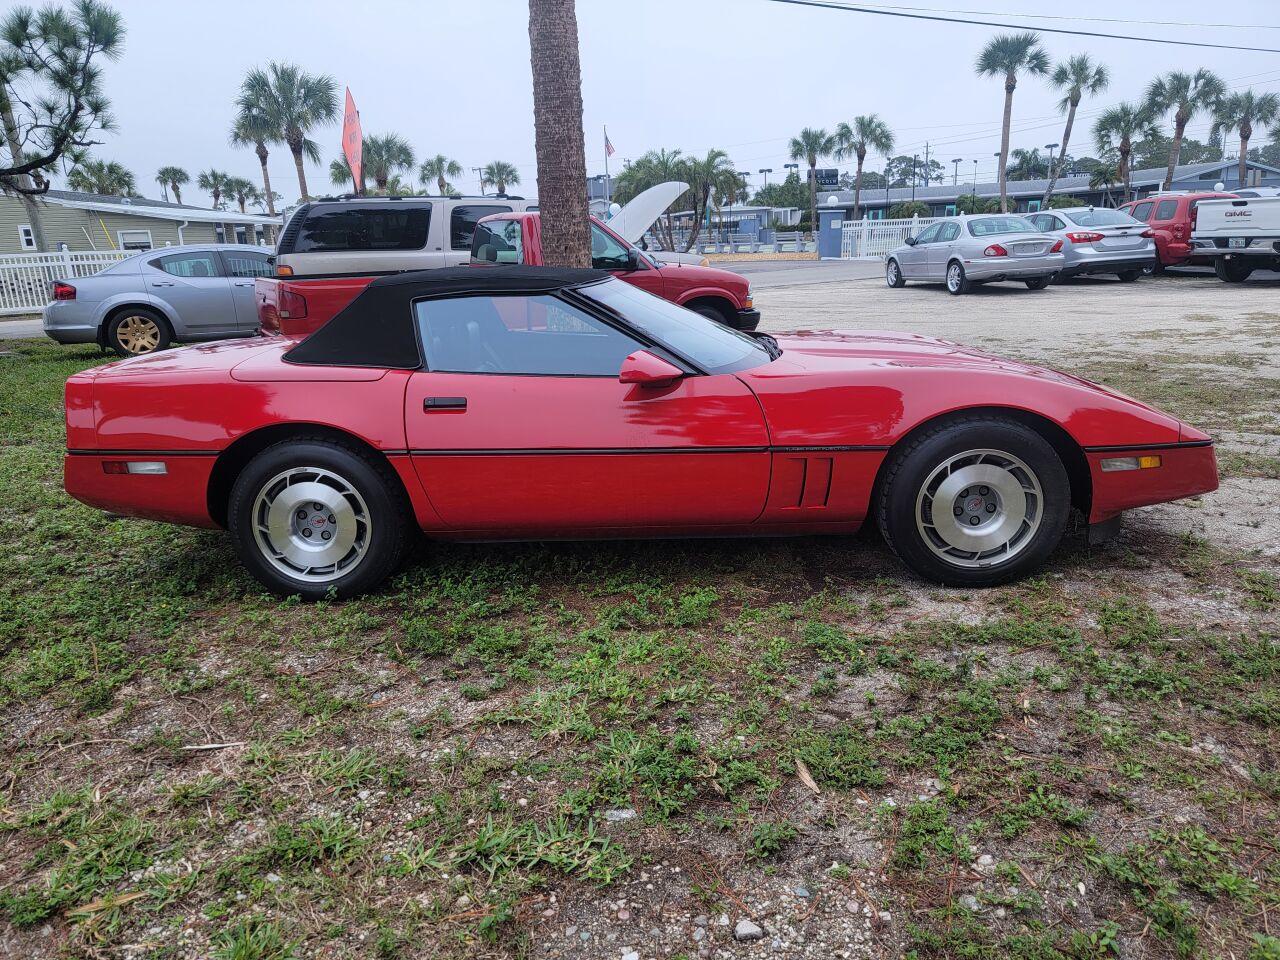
[
  {"x": 247, "y": 264},
  {"x": 1142, "y": 211},
  {"x": 462, "y": 223},
  {"x": 1166, "y": 210},
  {"x": 363, "y": 228},
  {"x": 188, "y": 264},
  {"x": 519, "y": 335}
]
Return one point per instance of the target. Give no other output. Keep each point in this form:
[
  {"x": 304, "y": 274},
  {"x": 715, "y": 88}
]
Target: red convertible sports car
[{"x": 523, "y": 402}]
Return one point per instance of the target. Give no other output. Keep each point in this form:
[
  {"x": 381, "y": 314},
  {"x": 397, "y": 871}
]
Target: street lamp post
[{"x": 766, "y": 171}]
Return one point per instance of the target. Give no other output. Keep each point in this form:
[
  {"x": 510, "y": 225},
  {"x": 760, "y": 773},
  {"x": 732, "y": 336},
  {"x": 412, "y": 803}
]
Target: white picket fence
[
  {"x": 25, "y": 277},
  {"x": 876, "y": 239}
]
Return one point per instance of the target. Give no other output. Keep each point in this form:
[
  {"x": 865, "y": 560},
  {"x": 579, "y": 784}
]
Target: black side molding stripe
[
  {"x": 1149, "y": 446},
  {"x": 848, "y": 448},
  {"x": 143, "y": 453},
  {"x": 623, "y": 451}
]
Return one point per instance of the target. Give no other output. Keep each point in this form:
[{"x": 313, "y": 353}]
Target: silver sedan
[
  {"x": 1099, "y": 240},
  {"x": 145, "y": 302},
  {"x": 982, "y": 248}
]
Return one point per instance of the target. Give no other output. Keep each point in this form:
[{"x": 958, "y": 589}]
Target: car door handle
[
  {"x": 241, "y": 283},
  {"x": 432, "y": 404},
  {"x": 162, "y": 283}
]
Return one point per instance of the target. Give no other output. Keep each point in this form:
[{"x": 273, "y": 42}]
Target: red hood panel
[{"x": 872, "y": 387}]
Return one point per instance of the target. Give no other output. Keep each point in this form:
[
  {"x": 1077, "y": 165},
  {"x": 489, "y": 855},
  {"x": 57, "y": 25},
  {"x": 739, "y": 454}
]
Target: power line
[
  {"x": 1051, "y": 16},
  {"x": 848, "y": 8}
]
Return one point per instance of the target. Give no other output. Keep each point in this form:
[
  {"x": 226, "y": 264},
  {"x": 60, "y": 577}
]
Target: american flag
[{"x": 608, "y": 147}]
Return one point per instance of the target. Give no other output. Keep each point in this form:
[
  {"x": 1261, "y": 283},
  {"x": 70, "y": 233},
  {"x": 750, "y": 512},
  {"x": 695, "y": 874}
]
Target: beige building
[{"x": 90, "y": 221}]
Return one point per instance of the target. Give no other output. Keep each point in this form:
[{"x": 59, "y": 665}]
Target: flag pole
[{"x": 608, "y": 194}]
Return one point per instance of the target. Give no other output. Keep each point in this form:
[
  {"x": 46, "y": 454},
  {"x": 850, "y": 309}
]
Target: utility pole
[
  {"x": 955, "y": 170},
  {"x": 915, "y": 169},
  {"x": 479, "y": 172},
  {"x": 926, "y": 163}
]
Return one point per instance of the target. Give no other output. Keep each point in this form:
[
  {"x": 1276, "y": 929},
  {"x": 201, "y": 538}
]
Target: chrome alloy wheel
[
  {"x": 891, "y": 273},
  {"x": 311, "y": 524},
  {"x": 138, "y": 334},
  {"x": 955, "y": 276},
  {"x": 979, "y": 508}
]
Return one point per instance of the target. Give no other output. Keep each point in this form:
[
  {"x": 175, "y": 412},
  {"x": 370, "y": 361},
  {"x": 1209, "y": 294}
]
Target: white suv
[{"x": 367, "y": 235}]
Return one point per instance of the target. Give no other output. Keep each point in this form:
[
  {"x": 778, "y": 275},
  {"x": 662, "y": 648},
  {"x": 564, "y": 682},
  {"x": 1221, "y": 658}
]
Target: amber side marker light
[
  {"x": 284, "y": 270},
  {"x": 1112, "y": 464},
  {"x": 151, "y": 467}
]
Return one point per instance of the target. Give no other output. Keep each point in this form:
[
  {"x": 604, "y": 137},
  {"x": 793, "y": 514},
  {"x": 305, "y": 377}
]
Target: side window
[
  {"x": 539, "y": 335},
  {"x": 948, "y": 232},
  {"x": 1143, "y": 211},
  {"x": 189, "y": 265},
  {"x": 330, "y": 228},
  {"x": 247, "y": 264},
  {"x": 1166, "y": 209},
  {"x": 498, "y": 241},
  {"x": 606, "y": 252},
  {"x": 462, "y": 222},
  {"x": 929, "y": 234}
]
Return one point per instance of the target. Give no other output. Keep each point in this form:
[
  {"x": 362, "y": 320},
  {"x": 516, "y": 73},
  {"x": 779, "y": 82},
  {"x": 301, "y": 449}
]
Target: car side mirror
[
  {"x": 911, "y": 241},
  {"x": 647, "y": 370},
  {"x": 633, "y": 260}
]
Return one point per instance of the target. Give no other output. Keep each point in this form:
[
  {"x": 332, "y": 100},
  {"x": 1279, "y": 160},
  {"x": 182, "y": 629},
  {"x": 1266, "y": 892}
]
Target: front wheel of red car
[
  {"x": 319, "y": 519},
  {"x": 974, "y": 502}
]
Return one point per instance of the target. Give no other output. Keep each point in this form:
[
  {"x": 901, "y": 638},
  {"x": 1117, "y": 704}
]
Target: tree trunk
[
  {"x": 1175, "y": 150},
  {"x": 29, "y": 204},
  {"x": 813, "y": 196},
  {"x": 302, "y": 173},
  {"x": 1055, "y": 169},
  {"x": 177, "y": 194},
  {"x": 558, "y": 139},
  {"x": 1125, "y": 148},
  {"x": 266, "y": 178},
  {"x": 441, "y": 184},
  {"x": 857, "y": 185},
  {"x": 1010, "y": 84},
  {"x": 1246, "y": 131}
]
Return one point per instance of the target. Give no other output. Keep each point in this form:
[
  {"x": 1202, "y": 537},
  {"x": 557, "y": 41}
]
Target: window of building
[
  {"x": 1033, "y": 206},
  {"x": 537, "y": 335},
  {"x": 462, "y": 222},
  {"x": 134, "y": 239},
  {"x": 26, "y": 237},
  {"x": 950, "y": 211}
]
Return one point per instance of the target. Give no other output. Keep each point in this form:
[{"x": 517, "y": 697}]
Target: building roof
[
  {"x": 143, "y": 207},
  {"x": 1147, "y": 177}
]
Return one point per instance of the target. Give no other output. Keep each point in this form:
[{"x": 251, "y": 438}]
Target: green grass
[{"x": 432, "y": 763}]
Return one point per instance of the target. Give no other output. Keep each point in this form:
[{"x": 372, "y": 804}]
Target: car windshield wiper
[{"x": 770, "y": 345}]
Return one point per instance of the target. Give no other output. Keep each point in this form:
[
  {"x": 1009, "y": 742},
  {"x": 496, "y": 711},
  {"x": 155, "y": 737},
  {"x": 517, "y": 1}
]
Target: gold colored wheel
[{"x": 137, "y": 334}]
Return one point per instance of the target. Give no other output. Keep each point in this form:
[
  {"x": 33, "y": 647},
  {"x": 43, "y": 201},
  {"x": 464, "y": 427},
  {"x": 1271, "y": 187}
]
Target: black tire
[
  {"x": 389, "y": 524},
  {"x": 1231, "y": 271},
  {"x": 712, "y": 312},
  {"x": 893, "y": 275},
  {"x": 1128, "y": 276},
  {"x": 1039, "y": 283},
  {"x": 137, "y": 330},
  {"x": 901, "y": 493},
  {"x": 959, "y": 284}
]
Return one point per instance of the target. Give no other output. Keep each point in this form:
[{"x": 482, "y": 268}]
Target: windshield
[
  {"x": 1101, "y": 217},
  {"x": 990, "y": 226},
  {"x": 712, "y": 346}
]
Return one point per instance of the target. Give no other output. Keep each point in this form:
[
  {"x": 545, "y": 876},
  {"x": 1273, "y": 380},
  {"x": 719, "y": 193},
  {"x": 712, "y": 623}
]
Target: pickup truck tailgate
[{"x": 1255, "y": 217}]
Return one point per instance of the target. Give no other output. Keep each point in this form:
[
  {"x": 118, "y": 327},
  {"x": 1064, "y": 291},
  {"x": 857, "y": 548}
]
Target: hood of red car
[{"x": 691, "y": 273}]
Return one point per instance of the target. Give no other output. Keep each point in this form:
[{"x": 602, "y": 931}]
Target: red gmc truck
[{"x": 297, "y": 305}]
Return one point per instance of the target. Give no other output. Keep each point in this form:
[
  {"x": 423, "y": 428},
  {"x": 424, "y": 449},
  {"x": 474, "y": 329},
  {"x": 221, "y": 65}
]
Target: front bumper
[
  {"x": 746, "y": 320},
  {"x": 1012, "y": 268},
  {"x": 1112, "y": 264},
  {"x": 1187, "y": 469}
]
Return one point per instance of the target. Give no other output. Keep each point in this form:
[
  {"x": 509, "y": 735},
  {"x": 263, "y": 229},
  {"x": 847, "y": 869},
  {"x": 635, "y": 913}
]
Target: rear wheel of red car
[
  {"x": 317, "y": 518},
  {"x": 974, "y": 502},
  {"x": 1038, "y": 283},
  {"x": 136, "y": 330},
  {"x": 1232, "y": 271}
]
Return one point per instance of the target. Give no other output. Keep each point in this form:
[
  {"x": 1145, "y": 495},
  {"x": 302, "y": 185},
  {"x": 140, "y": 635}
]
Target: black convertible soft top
[{"x": 376, "y": 329}]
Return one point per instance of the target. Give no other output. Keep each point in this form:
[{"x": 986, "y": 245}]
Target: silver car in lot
[
  {"x": 152, "y": 299},
  {"x": 1099, "y": 240},
  {"x": 977, "y": 248}
]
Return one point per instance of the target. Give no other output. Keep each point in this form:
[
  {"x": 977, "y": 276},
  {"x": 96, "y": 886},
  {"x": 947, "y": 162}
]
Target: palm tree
[
  {"x": 340, "y": 175},
  {"x": 1115, "y": 132},
  {"x": 101, "y": 176},
  {"x": 557, "y": 128},
  {"x": 499, "y": 174},
  {"x": 1006, "y": 56},
  {"x": 1239, "y": 112},
  {"x": 1186, "y": 94},
  {"x": 867, "y": 132},
  {"x": 295, "y": 103},
  {"x": 241, "y": 190},
  {"x": 172, "y": 178},
  {"x": 703, "y": 176},
  {"x": 812, "y": 144},
  {"x": 440, "y": 168},
  {"x": 1104, "y": 178},
  {"x": 384, "y": 155},
  {"x": 1025, "y": 164},
  {"x": 651, "y": 169},
  {"x": 214, "y": 182},
  {"x": 253, "y": 128},
  {"x": 1078, "y": 76}
]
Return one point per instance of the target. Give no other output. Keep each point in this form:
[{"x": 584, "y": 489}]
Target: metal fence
[
  {"x": 25, "y": 277},
  {"x": 876, "y": 239}
]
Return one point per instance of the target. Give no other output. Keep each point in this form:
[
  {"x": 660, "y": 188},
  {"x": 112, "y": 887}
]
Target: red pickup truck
[{"x": 298, "y": 306}]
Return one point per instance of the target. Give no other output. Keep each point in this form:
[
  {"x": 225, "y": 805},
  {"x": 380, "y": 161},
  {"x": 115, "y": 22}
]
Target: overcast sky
[{"x": 741, "y": 75}]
